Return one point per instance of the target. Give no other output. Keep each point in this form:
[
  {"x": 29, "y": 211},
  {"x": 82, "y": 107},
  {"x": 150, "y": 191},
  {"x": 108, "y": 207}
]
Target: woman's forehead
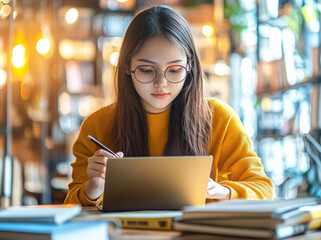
[{"x": 160, "y": 49}]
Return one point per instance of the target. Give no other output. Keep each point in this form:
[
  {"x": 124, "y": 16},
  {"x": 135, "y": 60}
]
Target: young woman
[{"x": 161, "y": 110}]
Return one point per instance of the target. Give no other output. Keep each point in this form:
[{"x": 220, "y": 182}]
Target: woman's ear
[{"x": 127, "y": 71}]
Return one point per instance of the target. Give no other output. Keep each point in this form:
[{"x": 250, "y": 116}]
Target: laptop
[{"x": 156, "y": 183}]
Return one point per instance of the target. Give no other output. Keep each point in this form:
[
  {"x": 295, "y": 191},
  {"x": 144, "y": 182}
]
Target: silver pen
[{"x": 99, "y": 144}]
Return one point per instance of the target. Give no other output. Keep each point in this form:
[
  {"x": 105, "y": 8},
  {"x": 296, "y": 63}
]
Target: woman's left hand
[{"x": 217, "y": 191}]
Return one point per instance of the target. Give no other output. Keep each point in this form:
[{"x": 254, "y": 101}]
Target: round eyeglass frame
[{"x": 133, "y": 71}]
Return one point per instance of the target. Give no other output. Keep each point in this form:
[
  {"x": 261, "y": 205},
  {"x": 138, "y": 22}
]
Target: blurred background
[{"x": 57, "y": 59}]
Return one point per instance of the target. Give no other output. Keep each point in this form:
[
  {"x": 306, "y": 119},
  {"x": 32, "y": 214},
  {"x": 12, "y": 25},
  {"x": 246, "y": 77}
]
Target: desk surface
[
  {"x": 134, "y": 234},
  {"x": 131, "y": 234}
]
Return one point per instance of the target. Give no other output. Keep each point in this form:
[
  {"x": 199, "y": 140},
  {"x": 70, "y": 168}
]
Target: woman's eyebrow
[{"x": 149, "y": 61}]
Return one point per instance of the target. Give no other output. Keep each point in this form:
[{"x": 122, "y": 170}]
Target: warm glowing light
[
  {"x": 18, "y": 56},
  {"x": 86, "y": 105},
  {"x": 5, "y": 11},
  {"x": 25, "y": 91},
  {"x": 43, "y": 46},
  {"x": 113, "y": 59},
  {"x": 116, "y": 41},
  {"x": 266, "y": 104},
  {"x": 6, "y": 1},
  {"x": 207, "y": 30},
  {"x": 221, "y": 69},
  {"x": 80, "y": 50},
  {"x": 64, "y": 103},
  {"x": 122, "y": 1},
  {"x": 66, "y": 49},
  {"x": 71, "y": 15},
  {"x": 3, "y": 78}
]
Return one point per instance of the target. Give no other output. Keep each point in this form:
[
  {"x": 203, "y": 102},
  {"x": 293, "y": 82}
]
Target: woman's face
[{"x": 160, "y": 53}]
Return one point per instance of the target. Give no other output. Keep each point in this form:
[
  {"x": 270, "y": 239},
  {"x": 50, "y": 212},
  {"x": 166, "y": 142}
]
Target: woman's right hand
[{"x": 96, "y": 171}]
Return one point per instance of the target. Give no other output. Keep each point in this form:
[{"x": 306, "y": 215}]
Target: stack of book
[
  {"x": 50, "y": 222},
  {"x": 259, "y": 219}
]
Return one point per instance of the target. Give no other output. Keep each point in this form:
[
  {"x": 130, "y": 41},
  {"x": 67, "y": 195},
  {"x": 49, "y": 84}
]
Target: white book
[
  {"x": 56, "y": 214},
  {"x": 279, "y": 209}
]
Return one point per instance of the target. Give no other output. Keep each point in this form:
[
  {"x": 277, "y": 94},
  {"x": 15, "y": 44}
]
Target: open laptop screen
[{"x": 156, "y": 183}]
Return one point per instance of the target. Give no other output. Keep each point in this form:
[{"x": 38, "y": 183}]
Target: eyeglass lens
[{"x": 147, "y": 73}]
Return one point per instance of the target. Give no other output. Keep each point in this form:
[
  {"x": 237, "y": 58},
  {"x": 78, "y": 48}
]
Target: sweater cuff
[
  {"x": 233, "y": 194},
  {"x": 85, "y": 201}
]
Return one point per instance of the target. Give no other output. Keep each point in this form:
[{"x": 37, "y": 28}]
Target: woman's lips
[{"x": 160, "y": 95}]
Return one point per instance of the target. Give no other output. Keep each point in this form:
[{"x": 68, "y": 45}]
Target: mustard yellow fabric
[{"x": 235, "y": 164}]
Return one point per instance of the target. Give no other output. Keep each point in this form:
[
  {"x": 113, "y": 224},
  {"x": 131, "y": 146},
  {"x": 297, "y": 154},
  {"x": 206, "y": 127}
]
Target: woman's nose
[{"x": 160, "y": 80}]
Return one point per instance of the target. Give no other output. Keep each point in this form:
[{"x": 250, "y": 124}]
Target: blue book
[{"x": 83, "y": 230}]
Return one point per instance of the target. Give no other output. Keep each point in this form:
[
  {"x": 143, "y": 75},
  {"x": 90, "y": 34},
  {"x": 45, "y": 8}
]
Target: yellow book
[
  {"x": 314, "y": 211},
  {"x": 158, "y": 220}
]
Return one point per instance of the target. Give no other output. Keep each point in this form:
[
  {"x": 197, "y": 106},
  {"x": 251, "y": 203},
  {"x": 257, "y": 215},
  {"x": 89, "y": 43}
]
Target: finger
[
  {"x": 120, "y": 154},
  {"x": 102, "y": 152},
  {"x": 97, "y": 160},
  {"x": 97, "y": 167}
]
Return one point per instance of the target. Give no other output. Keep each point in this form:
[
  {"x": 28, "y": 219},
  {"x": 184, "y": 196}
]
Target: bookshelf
[
  {"x": 313, "y": 80},
  {"x": 85, "y": 80},
  {"x": 288, "y": 98}
]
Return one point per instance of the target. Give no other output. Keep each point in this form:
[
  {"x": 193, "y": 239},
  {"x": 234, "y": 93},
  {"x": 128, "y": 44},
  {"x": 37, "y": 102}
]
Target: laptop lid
[{"x": 156, "y": 183}]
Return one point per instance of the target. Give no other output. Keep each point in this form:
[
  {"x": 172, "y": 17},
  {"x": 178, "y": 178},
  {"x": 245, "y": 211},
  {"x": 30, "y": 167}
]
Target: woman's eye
[
  {"x": 175, "y": 70},
  {"x": 146, "y": 70}
]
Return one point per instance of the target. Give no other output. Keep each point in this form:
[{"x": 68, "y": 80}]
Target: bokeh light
[{"x": 71, "y": 15}]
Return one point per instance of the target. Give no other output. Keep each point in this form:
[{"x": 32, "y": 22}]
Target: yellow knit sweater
[{"x": 235, "y": 165}]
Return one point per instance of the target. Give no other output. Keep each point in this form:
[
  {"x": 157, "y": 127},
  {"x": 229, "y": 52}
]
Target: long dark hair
[{"x": 190, "y": 117}]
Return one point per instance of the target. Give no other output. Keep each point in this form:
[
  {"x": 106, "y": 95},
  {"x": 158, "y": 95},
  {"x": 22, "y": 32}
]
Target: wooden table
[{"x": 135, "y": 234}]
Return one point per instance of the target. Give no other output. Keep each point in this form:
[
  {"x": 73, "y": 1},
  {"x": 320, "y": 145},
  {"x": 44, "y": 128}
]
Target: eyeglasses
[{"x": 147, "y": 73}]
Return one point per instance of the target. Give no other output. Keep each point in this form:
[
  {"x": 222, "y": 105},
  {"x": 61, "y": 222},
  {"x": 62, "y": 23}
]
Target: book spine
[
  {"x": 157, "y": 224},
  {"x": 289, "y": 231}
]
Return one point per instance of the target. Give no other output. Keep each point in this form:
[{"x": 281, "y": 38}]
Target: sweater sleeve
[
  {"x": 238, "y": 166},
  {"x": 82, "y": 149}
]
